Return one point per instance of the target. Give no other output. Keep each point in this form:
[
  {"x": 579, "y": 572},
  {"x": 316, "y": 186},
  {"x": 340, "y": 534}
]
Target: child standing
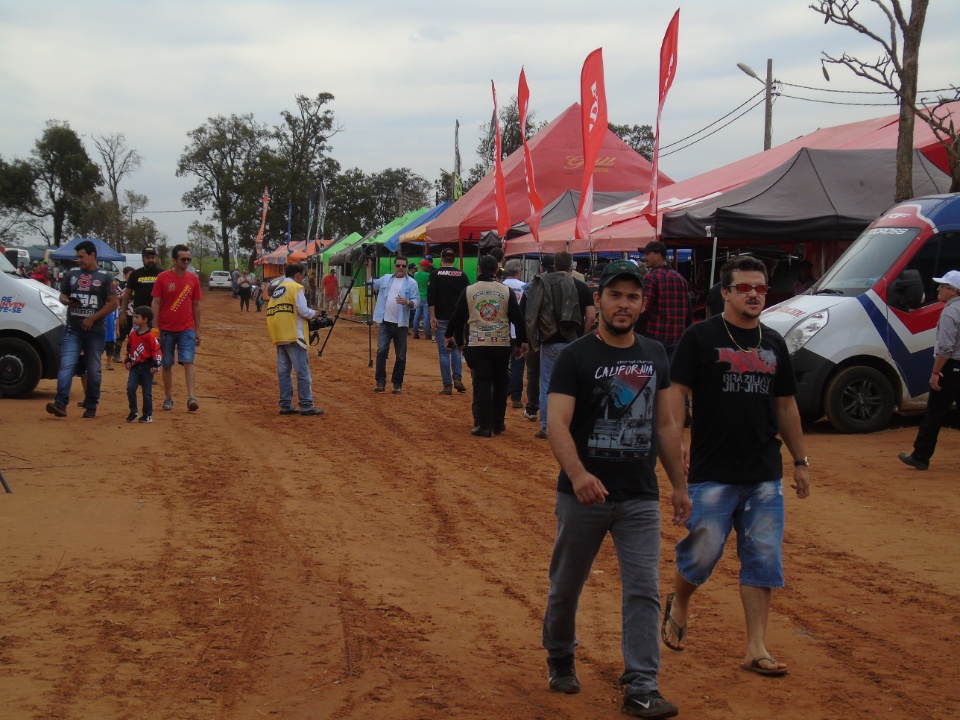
[{"x": 143, "y": 361}]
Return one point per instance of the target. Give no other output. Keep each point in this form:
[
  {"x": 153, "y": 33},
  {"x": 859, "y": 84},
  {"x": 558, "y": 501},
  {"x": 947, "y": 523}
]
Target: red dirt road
[{"x": 380, "y": 562}]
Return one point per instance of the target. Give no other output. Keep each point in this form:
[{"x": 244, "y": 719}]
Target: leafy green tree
[
  {"x": 352, "y": 204},
  {"x": 396, "y": 191},
  {"x": 220, "y": 155},
  {"x": 17, "y": 196},
  {"x": 202, "y": 241},
  {"x": 65, "y": 177},
  {"x": 639, "y": 137}
]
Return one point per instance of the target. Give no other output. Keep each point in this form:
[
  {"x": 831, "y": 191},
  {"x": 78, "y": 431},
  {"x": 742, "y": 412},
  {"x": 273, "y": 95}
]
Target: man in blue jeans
[
  {"x": 397, "y": 298},
  {"x": 609, "y": 418},
  {"x": 443, "y": 289},
  {"x": 90, "y": 295}
]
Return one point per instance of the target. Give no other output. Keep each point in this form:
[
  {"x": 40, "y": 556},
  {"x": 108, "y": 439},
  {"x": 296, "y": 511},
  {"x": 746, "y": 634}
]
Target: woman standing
[{"x": 245, "y": 286}]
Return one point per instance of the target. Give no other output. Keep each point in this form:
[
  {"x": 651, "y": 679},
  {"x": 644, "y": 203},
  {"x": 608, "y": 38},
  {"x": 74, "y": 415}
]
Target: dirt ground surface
[{"x": 380, "y": 562}]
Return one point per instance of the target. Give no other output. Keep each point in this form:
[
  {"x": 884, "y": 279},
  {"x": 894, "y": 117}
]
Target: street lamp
[{"x": 768, "y": 100}]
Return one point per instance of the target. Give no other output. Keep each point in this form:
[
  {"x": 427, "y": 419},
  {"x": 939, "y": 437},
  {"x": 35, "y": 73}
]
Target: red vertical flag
[
  {"x": 499, "y": 182},
  {"x": 536, "y": 203},
  {"x": 263, "y": 222},
  {"x": 668, "y": 68},
  {"x": 593, "y": 108}
]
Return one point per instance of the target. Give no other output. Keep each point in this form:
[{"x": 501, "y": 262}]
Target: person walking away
[
  {"x": 443, "y": 290},
  {"x": 741, "y": 378},
  {"x": 422, "y": 276},
  {"x": 397, "y": 297},
  {"x": 486, "y": 309},
  {"x": 945, "y": 378},
  {"x": 518, "y": 359},
  {"x": 668, "y": 311},
  {"x": 287, "y": 316},
  {"x": 610, "y": 416},
  {"x": 559, "y": 310},
  {"x": 142, "y": 363},
  {"x": 176, "y": 305},
  {"x": 90, "y": 295}
]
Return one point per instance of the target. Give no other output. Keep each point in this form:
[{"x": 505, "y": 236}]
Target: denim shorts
[
  {"x": 755, "y": 512},
  {"x": 184, "y": 342}
]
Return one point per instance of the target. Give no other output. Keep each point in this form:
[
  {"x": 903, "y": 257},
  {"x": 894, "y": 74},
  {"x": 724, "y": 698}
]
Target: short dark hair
[
  {"x": 487, "y": 264},
  {"x": 144, "y": 311},
  {"x": 741, "y": 263},
  {"x": 88, "y": 246},
  {"x": 497, "y": 252},
  {"x": 563, "y": 261},
  {"x": 127, "y": 269},
  {"x": 292, "y": 269},
  {"x": 177, "y": 249}
]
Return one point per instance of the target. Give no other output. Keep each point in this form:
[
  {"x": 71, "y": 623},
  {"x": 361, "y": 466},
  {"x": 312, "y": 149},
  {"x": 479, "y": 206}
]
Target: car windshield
[
  {"x": 6, "y": 266},
  {"x": 864, "y": 262}
]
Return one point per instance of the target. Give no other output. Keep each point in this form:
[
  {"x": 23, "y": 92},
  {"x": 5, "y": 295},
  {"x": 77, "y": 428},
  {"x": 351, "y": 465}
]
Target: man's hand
[
  {"x": 87, "y": 323},
  {"x": 450, "y": 343},
  {"x": 196, "y": 338},
  {"x": 682, "y": 506},
  {"x": 935, "y": 381},
  {"x": 801, "y": 481},
  {"x": 588, "y": 489}
]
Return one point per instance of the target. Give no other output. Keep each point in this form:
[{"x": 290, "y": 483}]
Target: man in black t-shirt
[
  {"x": 609, "y": 418},
  {"x": 743, "y": 387},
  {"x": 443, "y": 289},
  {"x": 139, "y": 287}
]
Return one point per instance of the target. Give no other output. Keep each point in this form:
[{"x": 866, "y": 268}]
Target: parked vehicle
[
  {"x": 862, "y": 337},
  {"x": 32, "y": 319},
  {"x": 219, "y": 279},
  {"x": 18, "y": 257}
]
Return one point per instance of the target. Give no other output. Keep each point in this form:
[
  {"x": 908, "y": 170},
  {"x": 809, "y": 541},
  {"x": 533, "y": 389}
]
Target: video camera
[{"x": 322, "y": 320}]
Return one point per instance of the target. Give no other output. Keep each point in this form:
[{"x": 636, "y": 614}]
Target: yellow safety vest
[{"x": 282, "y": 317}]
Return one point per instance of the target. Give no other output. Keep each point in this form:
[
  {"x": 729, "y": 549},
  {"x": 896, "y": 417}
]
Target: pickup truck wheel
[
  {"x": 20, "y": 367},
  {"x": 859, "y": 400}
]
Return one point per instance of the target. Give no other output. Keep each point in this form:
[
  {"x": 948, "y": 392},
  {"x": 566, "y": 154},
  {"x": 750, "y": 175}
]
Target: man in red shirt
[
  {"x": 176, "y": 305},
  {"x": 331, "y": 291}
]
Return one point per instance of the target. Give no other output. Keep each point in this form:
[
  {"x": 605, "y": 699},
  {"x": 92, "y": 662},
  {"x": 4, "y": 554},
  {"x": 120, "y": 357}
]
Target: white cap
[{"x": 950, "y": 278}]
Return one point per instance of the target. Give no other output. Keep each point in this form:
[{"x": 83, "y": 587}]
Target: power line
[
  {"x": 838, "y": 102},
  {"x": 756, "y": 104},
  {"x": 857, "y": 92},
  {"x": 677, "y": 142}
]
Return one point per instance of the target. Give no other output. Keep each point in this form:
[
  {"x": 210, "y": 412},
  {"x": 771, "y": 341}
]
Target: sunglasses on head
[{"x": 745, "y": 288}]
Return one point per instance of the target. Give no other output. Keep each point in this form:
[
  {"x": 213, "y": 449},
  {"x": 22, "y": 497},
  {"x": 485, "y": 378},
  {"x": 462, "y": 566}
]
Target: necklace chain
[{"x": 730, "y": 334}]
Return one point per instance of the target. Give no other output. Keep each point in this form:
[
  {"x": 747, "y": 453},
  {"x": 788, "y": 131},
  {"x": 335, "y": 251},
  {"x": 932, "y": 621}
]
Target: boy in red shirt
[{"x": 143, "y": 361}]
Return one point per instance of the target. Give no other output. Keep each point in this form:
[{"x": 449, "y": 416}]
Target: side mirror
[{"x": 906, "y": 292}]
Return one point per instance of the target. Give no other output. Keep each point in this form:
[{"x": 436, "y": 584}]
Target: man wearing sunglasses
[
  {"x": 176, "y": 305},
  {"x": 397, "y": 298},
  {"x": 741, "y": 378}
]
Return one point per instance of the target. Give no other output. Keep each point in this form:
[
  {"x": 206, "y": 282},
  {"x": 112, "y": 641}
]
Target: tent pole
[{"x": 713, "y": 263}]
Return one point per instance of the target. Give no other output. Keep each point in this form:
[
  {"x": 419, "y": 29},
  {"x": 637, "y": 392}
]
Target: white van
[
  {"x": 862, "y": 337},
  {"x": 32, "y": 319}
]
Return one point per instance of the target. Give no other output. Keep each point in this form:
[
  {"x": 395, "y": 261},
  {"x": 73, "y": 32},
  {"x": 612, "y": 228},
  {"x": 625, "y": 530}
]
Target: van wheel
[
  {"x": 859, "y": 400},
  {"x": 20, "y": 367}
]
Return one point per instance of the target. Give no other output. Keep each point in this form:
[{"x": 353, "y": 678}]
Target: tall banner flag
[
  {"x": 494, "y": 123},
  {"x": 309, "y": 217},
  {"x": 263, "y": 221},
  {"x": 593, "y": 109},
  {"x": 536, "y": 204},
  {"x": 457, "y": 189},
  {"x": 668, "y": 69},
  {"x": 289, "y": 222},
  {"x": 499, "y": 182}
]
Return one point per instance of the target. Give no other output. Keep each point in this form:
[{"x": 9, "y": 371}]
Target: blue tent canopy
[
  {"x": 393, "y": 242},
  {"x": 104, "y": 251}
]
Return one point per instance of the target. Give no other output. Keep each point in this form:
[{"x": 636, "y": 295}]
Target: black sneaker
[
  {"x": 56, "y": 409},
  {"x": 380, "y": 388},
  {"x": 648, "y": 705},
  {"x": 913, "y": 462},
  {"x": 312, "y": 412},
  {"x": 132, "y": 417},
  {"x": 89, "y": 413},
  {"x": 147, "y": 419},
  {"x": 288, "y": 411},
  {"x": 563, "y": 678}
]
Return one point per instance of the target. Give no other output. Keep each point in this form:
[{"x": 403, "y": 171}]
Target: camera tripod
[{"x": 367, "y": 257}]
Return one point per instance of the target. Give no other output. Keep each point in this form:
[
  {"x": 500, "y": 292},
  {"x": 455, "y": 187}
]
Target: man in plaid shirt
[{"x": 667, "y": 311}]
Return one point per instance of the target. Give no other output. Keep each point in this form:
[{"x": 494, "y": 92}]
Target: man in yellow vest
[
  {"x": 486, "y": 310},
  {"x": 287, "y": 315}
]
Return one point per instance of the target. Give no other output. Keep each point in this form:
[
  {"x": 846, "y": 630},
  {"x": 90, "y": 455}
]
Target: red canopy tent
[
  {"x": 624, "y": 228},
  {"x": 557, "y": 152}
]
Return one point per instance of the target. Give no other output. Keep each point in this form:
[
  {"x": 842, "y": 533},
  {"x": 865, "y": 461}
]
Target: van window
[
  {"x": 864, "y": 262},
  {"x": 939, "y": 254}
]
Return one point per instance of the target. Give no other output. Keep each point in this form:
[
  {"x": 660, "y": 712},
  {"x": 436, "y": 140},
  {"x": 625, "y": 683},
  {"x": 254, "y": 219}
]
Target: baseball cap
[
  {"x": 620, "y": 268},
  {"x": 547, "y": 262},
  {"x": 448, "y": 254},
  {"x": 950, "y": 278},
  {"x": 655, "y": 246},
  {"x": 425, "y": 263},
  {"x": 148, "y": 250}
]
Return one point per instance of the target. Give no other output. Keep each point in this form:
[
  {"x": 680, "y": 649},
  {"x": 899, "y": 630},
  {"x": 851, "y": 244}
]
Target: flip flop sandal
[
  {"x": 669, "y": 622},
  {"x": 755, "y": 667}
]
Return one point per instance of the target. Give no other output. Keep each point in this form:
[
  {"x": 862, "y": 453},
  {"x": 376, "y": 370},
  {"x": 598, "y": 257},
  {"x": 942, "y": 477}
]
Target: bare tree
[
  {"x": 118, "y": 160},
  {"x": 897, "y": 71}
]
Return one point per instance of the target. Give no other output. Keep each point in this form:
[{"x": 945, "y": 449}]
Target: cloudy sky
[{"x": 403, "y": 71}]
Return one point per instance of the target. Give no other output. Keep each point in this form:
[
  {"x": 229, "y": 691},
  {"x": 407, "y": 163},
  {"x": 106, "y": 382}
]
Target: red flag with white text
[
  {"x": 668, "y": 69},
  {"x": 536, "y": 203},
  {"x": 499, "y": 182},
  {"x": 593, "y": 108}
]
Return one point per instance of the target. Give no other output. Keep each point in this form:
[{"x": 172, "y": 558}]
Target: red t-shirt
[
  {"x": 177, "y": 294},
  {"x": 330, "y": 285}
]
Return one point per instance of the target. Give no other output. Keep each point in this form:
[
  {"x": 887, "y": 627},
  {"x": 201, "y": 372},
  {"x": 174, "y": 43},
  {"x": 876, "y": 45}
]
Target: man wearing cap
[
  {"x": 609, "y": 418},
  {"x": 422, "y": 276},
  {"x": 443, "y": 290},
  {"x": 485, "y": 310},
  {"x": 667, "y": 312},
  {"x": 945, "y": 379},
  {"x": 138, "y": 290}
]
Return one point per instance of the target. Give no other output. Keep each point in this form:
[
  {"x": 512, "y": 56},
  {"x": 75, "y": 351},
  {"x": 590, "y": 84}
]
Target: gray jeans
[{"x": 634, "y": 526}]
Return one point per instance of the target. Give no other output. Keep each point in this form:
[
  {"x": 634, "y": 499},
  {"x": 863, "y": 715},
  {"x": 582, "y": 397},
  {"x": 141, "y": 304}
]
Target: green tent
[{"x": 337, "y": 246}]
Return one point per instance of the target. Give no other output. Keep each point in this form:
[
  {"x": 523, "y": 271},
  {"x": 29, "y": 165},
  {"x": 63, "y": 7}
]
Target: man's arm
[
  {"x": 155, "y": 306},
  {"x": 124, "y": 303},
  {"x": 788, "y": 421},
  {"x": 588, "y": 488},
  {"x": 457, "y": 320},
  {"x": 678, "y": 394},
  {"x": 670, "y": 434},
  {"x": 195, "y": 305}
]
